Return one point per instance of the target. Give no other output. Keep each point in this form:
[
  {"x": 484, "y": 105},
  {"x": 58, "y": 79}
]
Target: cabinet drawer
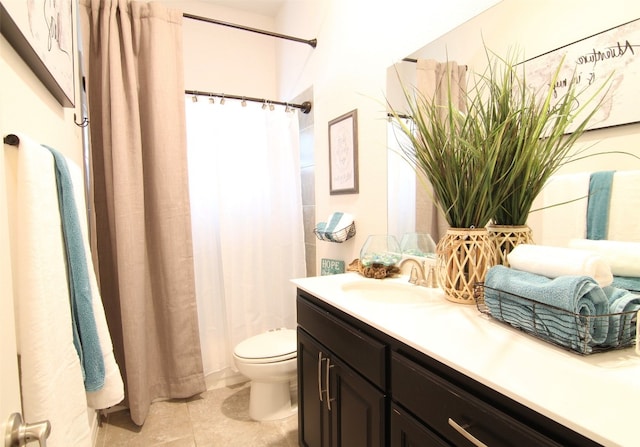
[
  {"x": 363, "y": 353},
  {"x": 408, "y": 432},
  {"x": 442, "y": 406}
]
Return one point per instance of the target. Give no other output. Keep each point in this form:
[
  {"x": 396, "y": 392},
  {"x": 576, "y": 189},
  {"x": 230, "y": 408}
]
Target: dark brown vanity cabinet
[
  {"x": 360, "y": 387},
  {"x": 338, "y": 403}
]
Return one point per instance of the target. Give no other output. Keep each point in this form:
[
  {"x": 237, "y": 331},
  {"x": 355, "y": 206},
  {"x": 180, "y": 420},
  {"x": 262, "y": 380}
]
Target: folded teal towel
[
  {"x": 598, "y": 204},
  {"x": 577, "y": 298},
  {"x": 630, "y": 283},
  {"x": 623, "y": 306},
  {"x": 85, "y": 332},
  {"x": 320, "y": 230}
]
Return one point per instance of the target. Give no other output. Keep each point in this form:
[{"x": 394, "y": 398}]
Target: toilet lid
[{"x": 273, "y": 345}]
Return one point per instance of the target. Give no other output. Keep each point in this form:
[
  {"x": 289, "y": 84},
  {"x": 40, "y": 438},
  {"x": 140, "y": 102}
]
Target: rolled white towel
[
  {"x": 623, "y": 257},
  {"x": 554, "y": 262}
]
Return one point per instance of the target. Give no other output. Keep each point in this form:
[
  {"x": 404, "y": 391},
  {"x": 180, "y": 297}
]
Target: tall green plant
[
  {"x": 450, "y": 148},
  {"x": 538, "y": 139},
  {"x": 492, "y": 160}
]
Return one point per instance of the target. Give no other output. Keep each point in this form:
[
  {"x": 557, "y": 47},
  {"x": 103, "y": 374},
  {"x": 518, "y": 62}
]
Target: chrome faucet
[
  {"x": 418, "y": 275},
  {"x": 417, "y": 271}
]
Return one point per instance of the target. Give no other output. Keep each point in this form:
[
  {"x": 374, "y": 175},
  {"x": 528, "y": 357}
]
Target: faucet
[
  {"x": 418, "y": 275},
  {"x": 417, "y": 271}
]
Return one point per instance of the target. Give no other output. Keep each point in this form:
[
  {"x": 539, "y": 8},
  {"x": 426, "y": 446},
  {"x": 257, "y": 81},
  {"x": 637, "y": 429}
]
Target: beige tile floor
[{"x": 216, "y": 418}]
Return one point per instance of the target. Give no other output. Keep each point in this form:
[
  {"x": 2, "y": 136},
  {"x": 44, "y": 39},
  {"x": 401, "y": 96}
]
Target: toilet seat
[{"x": 276, "y": 345}]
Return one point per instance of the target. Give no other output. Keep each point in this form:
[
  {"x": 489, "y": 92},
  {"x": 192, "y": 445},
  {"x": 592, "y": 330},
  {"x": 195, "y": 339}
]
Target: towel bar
[{"x": 12, "y": 140}]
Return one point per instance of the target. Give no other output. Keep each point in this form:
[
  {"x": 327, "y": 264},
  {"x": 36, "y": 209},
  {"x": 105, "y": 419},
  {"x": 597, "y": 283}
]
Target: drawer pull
[
  {"x": 329, "y": 366},
  {"x": 320, "y": 360},
  {"x": 457, "y": 427}
]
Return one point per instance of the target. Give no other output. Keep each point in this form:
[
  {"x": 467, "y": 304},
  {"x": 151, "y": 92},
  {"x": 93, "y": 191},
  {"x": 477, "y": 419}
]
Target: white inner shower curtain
[{"x": 246, "y": 205}]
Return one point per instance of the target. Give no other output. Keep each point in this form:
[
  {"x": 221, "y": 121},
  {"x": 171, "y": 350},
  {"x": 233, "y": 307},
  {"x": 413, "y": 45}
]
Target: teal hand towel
[
  {"x": 575, "y": 299},
  {"x": 598, "y": 204},
  {"x": 85, "y": 333},
  {"x": 623, "y": 306},
  {"x": 630, "y": 283}
]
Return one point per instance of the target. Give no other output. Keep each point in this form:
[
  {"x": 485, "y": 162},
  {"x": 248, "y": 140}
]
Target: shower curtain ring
[{"x": 83, "y": 123}]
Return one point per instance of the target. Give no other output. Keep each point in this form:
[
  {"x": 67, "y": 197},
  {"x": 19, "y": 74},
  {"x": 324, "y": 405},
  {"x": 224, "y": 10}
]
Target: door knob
[{"x": 18, "y": 433}]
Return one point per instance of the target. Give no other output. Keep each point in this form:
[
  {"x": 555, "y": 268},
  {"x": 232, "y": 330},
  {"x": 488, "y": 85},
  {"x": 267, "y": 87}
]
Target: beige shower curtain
[
  {"x": 133, "y": 51},
  {"x": 433, "y": 80}
]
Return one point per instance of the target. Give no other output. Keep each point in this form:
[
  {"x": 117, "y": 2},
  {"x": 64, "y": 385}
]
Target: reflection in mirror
[
  {"x": 508, "y": 25},
  {"x": 401, "y": 185},
  {"x": 411, "y": 207}
]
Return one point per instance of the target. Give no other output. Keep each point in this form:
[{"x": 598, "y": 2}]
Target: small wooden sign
[{"x": 331, "y": 267}]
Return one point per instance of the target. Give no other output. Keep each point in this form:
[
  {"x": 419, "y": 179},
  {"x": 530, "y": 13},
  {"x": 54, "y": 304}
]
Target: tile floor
[{"x": 216, "y": 418}]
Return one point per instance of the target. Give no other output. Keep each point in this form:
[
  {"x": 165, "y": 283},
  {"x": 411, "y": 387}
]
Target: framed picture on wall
[
  {"x": 343, "y": 154},
  {"x": 41, "y": 32}
]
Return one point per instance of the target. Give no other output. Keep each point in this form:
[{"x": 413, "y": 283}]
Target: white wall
[{"x": 221, "y": 59}]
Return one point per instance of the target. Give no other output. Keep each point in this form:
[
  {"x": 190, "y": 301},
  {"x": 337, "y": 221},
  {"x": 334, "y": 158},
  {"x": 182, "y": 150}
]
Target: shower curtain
[
  {"x": 133, "y": 51},
  {"x": 246, "y": 207}
]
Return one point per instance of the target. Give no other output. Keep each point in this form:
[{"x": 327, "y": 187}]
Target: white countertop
[{"x": 597, "y": 395}]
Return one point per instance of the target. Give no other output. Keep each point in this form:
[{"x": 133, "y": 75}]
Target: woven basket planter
[
  {"x": 463, "y": 257},
  {"x": 507, "y": 237}
]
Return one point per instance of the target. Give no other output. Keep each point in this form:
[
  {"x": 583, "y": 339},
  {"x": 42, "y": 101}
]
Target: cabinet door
[
  {"x": 313, "y": 414},
  {"x": 408, "y": 432},
  {"x": 357, "y": 408}
]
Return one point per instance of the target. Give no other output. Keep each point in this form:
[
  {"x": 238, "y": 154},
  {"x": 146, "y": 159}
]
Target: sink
[{"x": 390, "y": 291}]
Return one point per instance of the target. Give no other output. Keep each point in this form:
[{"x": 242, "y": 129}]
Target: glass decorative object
[
  {"x": 382, "y": 249},
  {"x": 418, "y": 244}
]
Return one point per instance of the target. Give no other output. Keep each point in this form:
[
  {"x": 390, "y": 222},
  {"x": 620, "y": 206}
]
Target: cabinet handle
[
  {"x": 326, "y": 377},
  {"x": 462, "y": 430},
  {"x": 320, "y": 360}
]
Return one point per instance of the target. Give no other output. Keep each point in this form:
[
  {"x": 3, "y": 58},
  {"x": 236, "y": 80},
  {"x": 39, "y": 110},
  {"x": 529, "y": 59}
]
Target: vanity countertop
[{"x": 596, "y": 395}]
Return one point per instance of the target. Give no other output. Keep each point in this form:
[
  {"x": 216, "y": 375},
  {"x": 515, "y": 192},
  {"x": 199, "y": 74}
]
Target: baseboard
[{"x": 224, "y": 378}]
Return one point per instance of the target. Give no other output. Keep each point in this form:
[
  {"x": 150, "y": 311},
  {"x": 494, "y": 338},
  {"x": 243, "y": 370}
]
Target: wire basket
[
  {"x": 584, "y": 334},
  {"x": 339, "y": 236}
]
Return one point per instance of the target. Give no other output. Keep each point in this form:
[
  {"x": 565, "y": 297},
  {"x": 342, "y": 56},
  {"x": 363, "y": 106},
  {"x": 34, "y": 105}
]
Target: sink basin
[{"x": 387, "y": 291}]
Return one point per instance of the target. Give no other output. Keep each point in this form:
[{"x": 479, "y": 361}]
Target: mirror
[{"x": 506, "y": 27}]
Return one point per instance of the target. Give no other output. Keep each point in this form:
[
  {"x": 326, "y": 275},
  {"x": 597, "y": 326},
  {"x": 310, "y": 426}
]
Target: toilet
[{"x": 269, "y": 361}]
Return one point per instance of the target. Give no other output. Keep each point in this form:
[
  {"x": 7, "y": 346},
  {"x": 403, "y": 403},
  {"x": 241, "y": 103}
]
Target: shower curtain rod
[
  {"x": 415, "y": 61},
  {"x": 399, "y": 115},
  {"x": 305, "y": 107},
  {"x": 312, "y": 42}
]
